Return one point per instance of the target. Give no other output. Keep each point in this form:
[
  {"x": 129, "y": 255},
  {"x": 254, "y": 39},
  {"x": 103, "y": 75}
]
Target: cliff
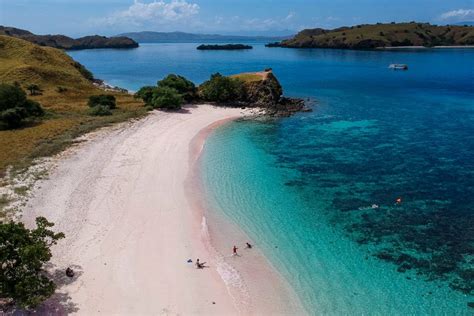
[
  {"x": 382, "y": 35},
  {"x": 65, "y": 42},
  {"x": 262, "y": 89}
]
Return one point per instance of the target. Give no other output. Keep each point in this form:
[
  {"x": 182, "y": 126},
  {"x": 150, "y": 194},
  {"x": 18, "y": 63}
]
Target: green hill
[
  {"x": 65, "y": 90},
  {"x": 382, "y": 35},
  {"x": 24, "y": 62},
  {"x": 65, "y": 42}
]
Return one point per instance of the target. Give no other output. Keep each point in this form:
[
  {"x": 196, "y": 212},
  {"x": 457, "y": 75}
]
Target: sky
[{"x": 246, "y": 17}]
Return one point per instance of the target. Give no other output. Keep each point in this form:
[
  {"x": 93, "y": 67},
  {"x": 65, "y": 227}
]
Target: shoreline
[
  {"x": 121, "y": 199},
  {"x": 254, "y": 284}
]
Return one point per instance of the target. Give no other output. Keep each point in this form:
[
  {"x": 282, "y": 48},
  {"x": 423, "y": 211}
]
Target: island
[
  {"x": 68, "y": 43},
  {"x": 382, "y": 35},
  {"x": 224, "y": 47}
]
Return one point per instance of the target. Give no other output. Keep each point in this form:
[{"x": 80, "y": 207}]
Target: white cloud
[
  {"x": 458, "y": 15},
  {"x": 152, "y": 13},
  {"x": 254, "y": 24}
]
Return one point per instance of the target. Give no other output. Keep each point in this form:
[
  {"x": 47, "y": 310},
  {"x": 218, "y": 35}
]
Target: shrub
[
  {"x": 15, "y": 107},
  {"x": 61, "y": 89},
  {"x": 166, "y": 98},
  {"x": 146, "y": 94},
  {"x": 107, "y": 100},
  {"x": 184, "y": 87},
  {"x": 83, "y": 70},
  {"x": 34, "y": 89},
  {"x": 100, "y": 110},
  {"x": 23, "y": 254},
  {"x": 222, "y": 89}
]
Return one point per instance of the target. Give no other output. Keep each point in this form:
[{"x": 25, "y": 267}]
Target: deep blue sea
[{"x": 323, "y": 186}]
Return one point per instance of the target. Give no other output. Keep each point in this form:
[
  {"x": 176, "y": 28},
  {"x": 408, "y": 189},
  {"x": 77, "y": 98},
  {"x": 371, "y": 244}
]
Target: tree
[
  {"x": 34, "y": 89},
  {"x": 23, "y": 255},
  {"x": 222, "y": 89},
  {"x": 166, "y": 98},
  {"x": 107, "y": 100},
  {"x": 184, "y": 87},
  {"x": 15, "y": 107},
  {"x": 146, "y": 94}
]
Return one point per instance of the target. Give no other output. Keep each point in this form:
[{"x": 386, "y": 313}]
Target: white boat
[{"x": 398, "y": 66}]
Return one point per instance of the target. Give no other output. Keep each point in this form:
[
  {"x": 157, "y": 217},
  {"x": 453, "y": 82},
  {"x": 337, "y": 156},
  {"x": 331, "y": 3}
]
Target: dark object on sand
[
  {"x": 199, "y": 265},
  {"x": 249, "y": 245},
  {"x": 70, "y": 272}
]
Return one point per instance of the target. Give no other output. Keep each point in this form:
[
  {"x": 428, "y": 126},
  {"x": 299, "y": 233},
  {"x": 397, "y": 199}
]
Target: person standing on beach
[{"x": 235, "y": 250}]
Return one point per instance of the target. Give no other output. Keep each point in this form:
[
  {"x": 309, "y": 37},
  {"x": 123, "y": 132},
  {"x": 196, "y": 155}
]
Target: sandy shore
[{"x": 128, "y": 200}]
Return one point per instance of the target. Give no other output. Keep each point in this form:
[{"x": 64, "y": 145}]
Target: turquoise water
[{"x": 317, "y": 192}]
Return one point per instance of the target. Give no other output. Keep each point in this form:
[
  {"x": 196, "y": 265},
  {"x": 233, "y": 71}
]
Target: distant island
[
  {"x": 68, "y": 43},
  {"x": 157, "y": 37},
  {"x": 372, "y": 36},
  {"x": 224, "y": 47}
]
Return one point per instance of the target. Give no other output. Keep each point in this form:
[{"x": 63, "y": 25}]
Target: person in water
[
  {"x": 234, "y": 250},
  {"x": 249, "y": 246}
]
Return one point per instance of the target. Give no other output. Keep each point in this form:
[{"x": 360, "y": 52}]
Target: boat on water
[{"x": 398, "y": 66}]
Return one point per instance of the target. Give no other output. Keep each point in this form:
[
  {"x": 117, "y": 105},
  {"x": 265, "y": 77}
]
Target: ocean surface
[{"x": 317, "y": 192}]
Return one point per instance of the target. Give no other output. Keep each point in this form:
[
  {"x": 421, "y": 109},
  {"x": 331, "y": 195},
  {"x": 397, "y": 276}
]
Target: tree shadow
[{"x": 60, "y": 303}]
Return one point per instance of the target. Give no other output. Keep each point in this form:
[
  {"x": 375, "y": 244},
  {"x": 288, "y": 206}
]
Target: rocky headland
[{"x": 68, "y": 43}]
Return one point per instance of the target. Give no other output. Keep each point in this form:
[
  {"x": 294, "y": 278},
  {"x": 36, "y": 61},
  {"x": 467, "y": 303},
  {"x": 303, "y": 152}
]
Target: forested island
[
  {"x": 224, "y": 47},
  {"x": 68, "y": 43},
  {"x": 372, "y": 36}
]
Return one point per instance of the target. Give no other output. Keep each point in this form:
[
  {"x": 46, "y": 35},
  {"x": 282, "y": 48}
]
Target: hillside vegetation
[
  {"x": 65, "y": 89},
  {"x": 382, "y": 35},
  {"x": 65, "y": 42}
]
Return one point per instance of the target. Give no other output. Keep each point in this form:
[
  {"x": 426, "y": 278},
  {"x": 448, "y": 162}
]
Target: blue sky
[{"x": 110, "y": 17}]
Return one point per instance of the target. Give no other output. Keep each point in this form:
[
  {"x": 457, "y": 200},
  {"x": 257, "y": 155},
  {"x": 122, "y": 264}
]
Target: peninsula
[
  {"x": 224, "y": 47},
  {"x": 68, "y": 43},
  {"x": 372, "y": 36}
]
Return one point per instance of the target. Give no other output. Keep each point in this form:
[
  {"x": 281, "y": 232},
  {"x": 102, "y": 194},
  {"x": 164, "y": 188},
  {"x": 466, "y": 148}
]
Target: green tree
[
  {"x": 34, "y": 89},
  {"x": 23, "y": 255},
  {"x": 15, "y": 107},
  {"x": 146, "y": 94},
  {"x": 222, "y": 89},
  {"x": 166, "y": 98},
  {"x": 107, "y": 100},
  {"x": 184, "y": 87}
]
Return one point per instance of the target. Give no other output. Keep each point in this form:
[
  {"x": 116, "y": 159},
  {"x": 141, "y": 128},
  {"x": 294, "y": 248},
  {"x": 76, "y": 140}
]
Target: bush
[
  {"x": 166, "y": 98},
  {"x": 15, "y": 107},
  {"x": 83, "y": 70},
  {"x": 222, "y": 89},
  {"x": 100, "y": 110},
  {"x": 61, "y": 89},
  {"x": 107, "y": 100},
  {"x": 184, "y": 87},
  {"x": 23, "y": 254},
  {"x": 34, "y": 89},
  {"x": 146, "y": 94}
]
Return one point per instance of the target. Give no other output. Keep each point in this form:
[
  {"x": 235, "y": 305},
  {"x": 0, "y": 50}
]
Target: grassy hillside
[
  {"x": 65, "y": 42},
  {"x": 383, "y": 35},
  {"x": 67, "y": 113}
]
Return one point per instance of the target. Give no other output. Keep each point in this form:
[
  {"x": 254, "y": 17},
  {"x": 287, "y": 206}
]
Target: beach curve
[{"x": 121, "y": 199}]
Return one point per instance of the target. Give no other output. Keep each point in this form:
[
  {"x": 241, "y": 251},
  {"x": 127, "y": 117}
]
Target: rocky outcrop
[
  {"x": 263, "y": 90},
  {"x": 65, "y": 42}
]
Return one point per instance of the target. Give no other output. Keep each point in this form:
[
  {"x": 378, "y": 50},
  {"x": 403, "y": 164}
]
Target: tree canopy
[
  {"x": 23, "y": 255},
  {"x": 222, "y": 89},
  {"x": 15, "y": 107}
]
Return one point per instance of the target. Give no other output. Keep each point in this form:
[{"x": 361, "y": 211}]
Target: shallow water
[{"x": 317, "y": 192}]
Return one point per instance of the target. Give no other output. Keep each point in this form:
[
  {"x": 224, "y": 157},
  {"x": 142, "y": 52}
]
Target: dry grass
[
  {"x": 249, "y": 77},
  {"x": 66, "y": 113}
]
